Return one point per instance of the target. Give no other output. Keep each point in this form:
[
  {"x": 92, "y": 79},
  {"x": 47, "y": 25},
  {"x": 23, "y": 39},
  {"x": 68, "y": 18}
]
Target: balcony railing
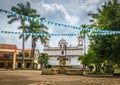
[{"x": 10, "y": 57}]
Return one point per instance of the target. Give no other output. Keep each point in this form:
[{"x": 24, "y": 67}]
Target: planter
[
  {"x": 49, "y": 71},
  {"x": 73, "y": 72}
]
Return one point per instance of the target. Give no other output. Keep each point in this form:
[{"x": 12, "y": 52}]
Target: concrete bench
[
  {"x": 49, "y": 71},
  {"x": 73, "y": 72}
]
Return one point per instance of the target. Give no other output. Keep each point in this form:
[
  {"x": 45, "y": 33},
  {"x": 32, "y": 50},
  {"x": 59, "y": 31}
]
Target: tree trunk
[
  {"x": 84, "y": 69},
  {"x": 23, "y": 52},
  {"x": 23, "y": 44},
  {"x": 41, "y": 66},
  {"x": 96, "y": 69},
  {"x": 33, "y": 49}
]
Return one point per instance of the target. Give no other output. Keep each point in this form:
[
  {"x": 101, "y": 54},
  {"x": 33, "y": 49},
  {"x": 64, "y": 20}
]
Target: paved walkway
[{"x": 29, "y": 77}]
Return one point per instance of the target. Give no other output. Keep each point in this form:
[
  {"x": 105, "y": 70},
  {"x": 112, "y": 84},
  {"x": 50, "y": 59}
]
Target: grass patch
[{"x": 117, "y": 71}]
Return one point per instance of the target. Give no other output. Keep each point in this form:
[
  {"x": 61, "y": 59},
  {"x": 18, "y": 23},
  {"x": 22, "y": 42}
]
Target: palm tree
[
  {"x": 35, "y": 27},
  {"x": 84, "y": 32},
  {"x": 23, "y": 10},
  {"x": 43, "y": 59}
]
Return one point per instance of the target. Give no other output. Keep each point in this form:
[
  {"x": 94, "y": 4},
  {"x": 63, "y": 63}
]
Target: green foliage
[
  {"x": 117, "y": 71},
  {"x": 107, "y": 18},
  {"x": 89, "y": 58},
  {"x": 23, "y": 9},
  {"x": 43, "y": 58},
  {"x": 84, "y": 31},
  {"x": 33, "y": 27},
  {"x": 115, "y": 66}
]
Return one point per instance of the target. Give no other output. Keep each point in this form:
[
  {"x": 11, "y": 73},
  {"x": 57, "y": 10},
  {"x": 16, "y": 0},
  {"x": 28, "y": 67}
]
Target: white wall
[
  {"x": 53, "y": 61},
  {"x": 75, "y": 61},
  {"x": 68, "y": 52}
]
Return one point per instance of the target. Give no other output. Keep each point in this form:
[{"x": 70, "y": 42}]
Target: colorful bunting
[
  {"x": 52, "y": 34},
  {"x": 88, "y": 31}
]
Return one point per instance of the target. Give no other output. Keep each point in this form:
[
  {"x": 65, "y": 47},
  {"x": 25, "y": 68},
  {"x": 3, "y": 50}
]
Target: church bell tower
[{"x": 80, "y": 41}]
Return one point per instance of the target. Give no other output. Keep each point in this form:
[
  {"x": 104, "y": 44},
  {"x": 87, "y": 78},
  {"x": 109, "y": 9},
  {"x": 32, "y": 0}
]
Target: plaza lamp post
[
  {"x": 65, "y": 48},
  {"x": 60, "y": 56},
  {"x": 63, "y": 53}
]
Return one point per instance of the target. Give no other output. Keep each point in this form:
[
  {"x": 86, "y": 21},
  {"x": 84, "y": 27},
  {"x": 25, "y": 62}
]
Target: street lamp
[
  {"x": 63, "y": 53},
  {"x": 65, "y": 58},
  {"x": 65, "y": 49}
]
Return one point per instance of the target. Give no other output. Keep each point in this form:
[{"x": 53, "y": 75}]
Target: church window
[
  {"x": 62, "y": 52},
  {"x": 80, "y": 42},
  {"x": 60, "y": 46}
]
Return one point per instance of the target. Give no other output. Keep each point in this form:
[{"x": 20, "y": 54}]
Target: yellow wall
[{"x": 18, "y": 59}]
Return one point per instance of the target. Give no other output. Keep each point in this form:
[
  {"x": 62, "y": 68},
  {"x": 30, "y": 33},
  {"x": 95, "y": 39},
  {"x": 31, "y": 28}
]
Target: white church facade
[{"x": 70, "y": 53}]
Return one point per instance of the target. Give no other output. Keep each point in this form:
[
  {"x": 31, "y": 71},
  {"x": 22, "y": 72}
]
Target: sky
[{"x": 71, "y": 12}]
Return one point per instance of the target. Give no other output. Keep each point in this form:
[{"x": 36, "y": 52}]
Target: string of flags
[
  {"x": 38, "y": 20},
  {"x": 94, "y": 32},
  {"x": 38, "y": 34},
  {"x": 53, "y": 34}
]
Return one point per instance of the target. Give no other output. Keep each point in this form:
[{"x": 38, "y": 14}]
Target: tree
[
  {"x": 43, "y": 59},
  {"x": 84, "y": 32},
  {"x": 107, "y": 18},
  {"x": 89, "y": 59},
  {"x": 23, "y": 10},
  {"x": 35, "y": 27}
]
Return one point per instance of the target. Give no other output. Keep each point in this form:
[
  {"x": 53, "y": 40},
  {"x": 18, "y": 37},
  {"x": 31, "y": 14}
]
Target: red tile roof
[{"x": 8, "y": 46}]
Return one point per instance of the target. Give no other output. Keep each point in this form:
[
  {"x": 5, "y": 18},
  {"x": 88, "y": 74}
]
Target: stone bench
[
  {"x": 73, "y": 72},
  {"x": 49, "y": 71}
]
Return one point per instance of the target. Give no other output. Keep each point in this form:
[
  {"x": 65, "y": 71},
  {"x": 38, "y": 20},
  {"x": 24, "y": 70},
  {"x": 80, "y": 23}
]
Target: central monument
[
  {"x": 63, "y": 59},
  {"x": 63, "y": 47}
]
